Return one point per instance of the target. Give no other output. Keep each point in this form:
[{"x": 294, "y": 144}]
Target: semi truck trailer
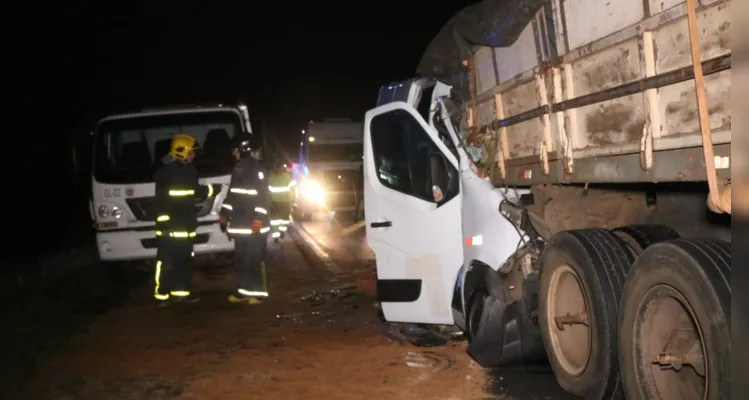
[{"x": 556, "y": 183}]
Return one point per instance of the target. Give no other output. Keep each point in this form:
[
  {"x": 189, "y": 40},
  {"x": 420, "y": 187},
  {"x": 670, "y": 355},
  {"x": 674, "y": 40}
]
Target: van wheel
[
  {"x": 581, "y": 277},
  {"x": 675, "y": 336},
  {"x": 640, "y": 237}
]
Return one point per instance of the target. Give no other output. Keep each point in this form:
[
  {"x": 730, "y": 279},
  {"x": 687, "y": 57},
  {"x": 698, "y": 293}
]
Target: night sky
[{"x": 290, "y": 61}]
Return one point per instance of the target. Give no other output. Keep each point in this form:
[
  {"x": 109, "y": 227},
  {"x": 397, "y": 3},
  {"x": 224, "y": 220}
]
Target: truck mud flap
[{"x": 506, "y": 335}]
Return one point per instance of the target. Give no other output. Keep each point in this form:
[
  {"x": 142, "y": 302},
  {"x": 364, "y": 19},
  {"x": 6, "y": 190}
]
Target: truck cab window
[{"x": 401, "y": 150}]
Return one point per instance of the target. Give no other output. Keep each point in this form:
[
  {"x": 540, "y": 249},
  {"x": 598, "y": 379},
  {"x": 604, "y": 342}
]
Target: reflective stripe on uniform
[
  {"x": 227, "y": 206},
  {"x": 181, "y": 193},
  {"x": 162, "y": 218},
  {"x": 256, "y": 293},
  {"x": 240, "y": 231},
  {"x": 279, "y": 189},
  {"x": 210, "y": 191},
  {"x": 246, "y": 231},
  {"x": 282, "y": 228},
  {"x": 276, "y": 235},
  {"x": 292, "y": 184},
  {"x": 261, "y": 175},
  {"x": 261, "y": 210},
  {"x": 275, "y": 222},
  {"x": 182, "y": 234},
  {"x": 157, "y": 279},
  {"x": 251, "y": 192},
  {"x": 180, "y": 293}
]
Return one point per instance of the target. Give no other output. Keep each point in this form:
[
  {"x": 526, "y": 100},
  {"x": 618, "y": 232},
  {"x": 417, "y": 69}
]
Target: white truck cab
[{"x": 130, "y": 148}]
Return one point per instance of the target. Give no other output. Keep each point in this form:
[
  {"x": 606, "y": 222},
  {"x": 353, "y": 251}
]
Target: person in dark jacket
[
  {"x": 177, "y": 191},
  {"x": 244, "y": 216}
]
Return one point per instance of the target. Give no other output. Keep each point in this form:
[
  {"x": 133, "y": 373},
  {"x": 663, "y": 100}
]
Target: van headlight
[{"x": 313, "y": 191}]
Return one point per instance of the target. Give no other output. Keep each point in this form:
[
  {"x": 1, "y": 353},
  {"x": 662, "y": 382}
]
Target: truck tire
[
  {"x": 678, "y": 293},
  {"x": 582, "y": 273},
  {"x": 474, "y": 311},
  {"x": 640, "y": 237}
]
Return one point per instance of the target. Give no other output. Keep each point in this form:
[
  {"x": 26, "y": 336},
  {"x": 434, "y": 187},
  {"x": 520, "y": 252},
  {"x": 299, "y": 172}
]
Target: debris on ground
[
  {"x": 299, "y": 318},
  {"x": 318, "y": 298},
  {"x": 421, "y": 336}
]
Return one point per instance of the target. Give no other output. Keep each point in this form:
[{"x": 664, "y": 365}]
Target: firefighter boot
[{"x": 251, "y": 300}]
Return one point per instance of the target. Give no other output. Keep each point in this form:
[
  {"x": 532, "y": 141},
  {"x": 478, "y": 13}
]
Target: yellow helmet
[{"x": 182, "y": 145}]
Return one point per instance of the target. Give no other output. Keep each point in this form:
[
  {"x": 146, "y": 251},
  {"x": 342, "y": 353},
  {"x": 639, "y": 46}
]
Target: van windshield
[{"x": 131, "y": 150}]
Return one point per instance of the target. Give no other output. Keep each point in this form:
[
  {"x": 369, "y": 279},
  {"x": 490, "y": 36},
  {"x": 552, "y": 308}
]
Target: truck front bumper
[{"x": 130, "y": 245}]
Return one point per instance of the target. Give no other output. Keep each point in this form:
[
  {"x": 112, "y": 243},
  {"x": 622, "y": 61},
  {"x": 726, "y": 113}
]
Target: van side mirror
[{"x": 439, "y": 176}]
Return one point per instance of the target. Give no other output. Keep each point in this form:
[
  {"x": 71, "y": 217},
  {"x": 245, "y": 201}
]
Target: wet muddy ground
[{"x": 318, "y": 337}]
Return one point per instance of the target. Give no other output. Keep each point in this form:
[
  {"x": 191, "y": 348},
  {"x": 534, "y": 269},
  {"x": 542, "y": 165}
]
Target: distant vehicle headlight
[{"x": 313, "y": 191}]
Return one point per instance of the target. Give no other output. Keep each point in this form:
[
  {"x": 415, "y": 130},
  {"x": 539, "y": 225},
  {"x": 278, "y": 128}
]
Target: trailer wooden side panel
[{"x": 559, "y": 99}]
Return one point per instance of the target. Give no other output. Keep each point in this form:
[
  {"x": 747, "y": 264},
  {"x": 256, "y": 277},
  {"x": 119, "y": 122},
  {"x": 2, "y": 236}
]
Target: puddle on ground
[
  {"x": 428, "y": 360},
  {"x": 526, "y": 382}
]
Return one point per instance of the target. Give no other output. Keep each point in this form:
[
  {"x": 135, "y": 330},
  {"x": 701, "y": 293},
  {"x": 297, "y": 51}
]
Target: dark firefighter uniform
[
  {"x": 244, "y": 215},
  {"x": 177, "y": 191},
  {"x": 280, "y": 184}
]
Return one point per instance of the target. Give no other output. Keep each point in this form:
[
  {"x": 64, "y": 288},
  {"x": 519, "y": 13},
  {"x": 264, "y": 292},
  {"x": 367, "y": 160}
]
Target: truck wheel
[
  {"x": 640, "y": 237},
  {"x": 475, "y": 311},
  {"x": 581, "y": 277},
  {"x": 675, "y": 340}
]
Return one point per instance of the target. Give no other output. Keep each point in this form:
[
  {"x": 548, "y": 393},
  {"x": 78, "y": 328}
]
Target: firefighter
[
  {"x": 244, "y": 216},
  {"x": 280, "y": 183},
  {"x": 177, "y": 191}
]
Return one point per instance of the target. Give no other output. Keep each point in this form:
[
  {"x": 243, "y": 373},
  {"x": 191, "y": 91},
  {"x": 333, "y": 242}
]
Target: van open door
[{"x": 413, "y": 212}]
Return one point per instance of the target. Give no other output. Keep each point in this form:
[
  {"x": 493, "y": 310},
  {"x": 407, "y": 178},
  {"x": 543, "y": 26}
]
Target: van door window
[{"x": 401, "y": 150}]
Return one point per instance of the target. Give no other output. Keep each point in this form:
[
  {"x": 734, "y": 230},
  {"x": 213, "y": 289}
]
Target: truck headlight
[
  {"x": 103, "y": 211},
  {"x": 116, "y": 212},
  {"x": 314, "y": 192}
]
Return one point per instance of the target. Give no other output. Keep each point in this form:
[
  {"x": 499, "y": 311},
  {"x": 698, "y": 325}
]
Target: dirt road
[{"x": 306, "y": 342}]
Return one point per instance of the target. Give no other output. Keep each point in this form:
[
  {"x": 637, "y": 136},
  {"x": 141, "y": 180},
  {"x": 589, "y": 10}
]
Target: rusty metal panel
[
  {"x": 656, "y": 6},
  {"x": 485, "y": 112},
  {"x": 678, "y": 106},
  {"x": 612, "y": 123},
  {"x": 523, "y": 139},
  {"x": 677, "y": 165},
  {"x": 677, "y": 103},
  {"x": 672, "y": 39},
  {"x": 518, "y": 58},
  {"x": 485, "y": 76},
  {"x": 608, "y": 68},
  {"x": 590, "y": 20}
]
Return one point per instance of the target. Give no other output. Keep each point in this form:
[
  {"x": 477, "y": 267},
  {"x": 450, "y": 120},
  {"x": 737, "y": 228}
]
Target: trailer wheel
[
  {"x": 675, "y": 336},
  {"x": 582, "y": 274},
  {"x": 640, "y": 237}
]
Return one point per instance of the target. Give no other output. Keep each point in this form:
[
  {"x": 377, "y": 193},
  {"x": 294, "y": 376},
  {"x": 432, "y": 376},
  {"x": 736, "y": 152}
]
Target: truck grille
[{"x": 142, "y": 207}]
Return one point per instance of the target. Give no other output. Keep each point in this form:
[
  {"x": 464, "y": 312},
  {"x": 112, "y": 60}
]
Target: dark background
[{"x": 289, "y": 61}]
